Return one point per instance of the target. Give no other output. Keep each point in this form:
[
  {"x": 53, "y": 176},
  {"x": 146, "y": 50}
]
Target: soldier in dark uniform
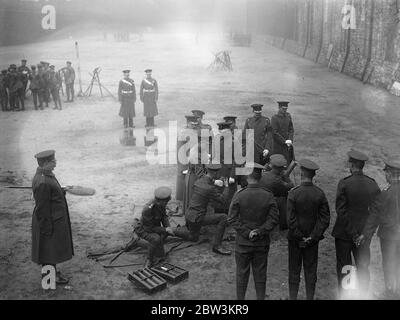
[
  {"x": 69, "y": 77},
  {"x": 232, "y": 121},
  {"x": 207, "y": 135},
  {"x": 55, "y": 84},
  {"x": 207, "y": 188},
  {"x": 254, "y": 214},
  {"x": 309, "y": 214},
  {"x": 225, "y": 156},
  {"x": 3, "y": 90},
  {"x": 46, "y": 82},
  {"x": 283, "y": 132},
  {"x": 25, "y": 72},
  {"x": 385, "y": 214},
  {"x": 15, "y": 86},
  {"x": 127, "y": 97},
  {"x": 355, "y": 195},
  {"x": 34, "y": 86},
  {"x": 42, "y": 85},
  {"x": 154, "y": 226},
  {"x": 51, "y": 226},
  {"x": 279, "y": 185},
  {"x": 262, "y": 134},
  {"x": 149, "y": 97}
]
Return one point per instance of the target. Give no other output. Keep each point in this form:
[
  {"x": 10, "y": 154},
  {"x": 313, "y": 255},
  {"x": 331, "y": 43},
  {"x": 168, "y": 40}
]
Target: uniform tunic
[
  {"x": 252, "y": 208},
  {"x": 127, "y": 97},
  {"x": 51, "y": 226},
  {"x": 262, "y": 136},
  {"x": 149, "y": 97},
  {"x": 282, "y": 128}
]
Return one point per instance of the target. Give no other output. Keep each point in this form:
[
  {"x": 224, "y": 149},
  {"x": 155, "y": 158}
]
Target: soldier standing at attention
[
  {"x": 386, "y": 215},
  {"x": 207, "y": 188},
  {"x": 34, "y": 86},
  {"x": 154, "y": 225},
  {"x": 208, "y": 135},
  {"x": 283, "y": 132},
  {"x": 15, "y": 86},
  {"x": 69, "y": 77},
  {"x": 127, "y": 97},
  {"x": 25, "y": 73},
  {"x": 279, "y": 185},
  {"x": 309, "y": 215},
  {"x": 262, "y": 134},
  {"x": 41, "y": 80},
  {"x": 51, "y": 226},
  {"x": 254, "y": 214},
  {"x": 46, "y": 82},
  {"x": 3, "y": 90},
  {"x": 55, "y": 84},
  {"x": 149, "y": 97},
  {"x": 354, "y": 197}
]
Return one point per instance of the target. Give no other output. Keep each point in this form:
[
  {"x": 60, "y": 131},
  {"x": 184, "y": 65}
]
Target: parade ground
[{"x": 331, "y": 112}]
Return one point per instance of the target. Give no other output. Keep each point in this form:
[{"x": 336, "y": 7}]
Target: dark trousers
[
  {"x": 149, "y": 121},
  {"x": 55, "y": 93},
  {"x": 308, "y": 258},
  {"x": 257, "y": 258},
  {"x": 13, "y": 100},
  {"x": 20, "y": 99},
  {"x": 35, "y": 96},
  {"x": 4, "y": 101},
  {"x": 128, "y": 122},
  {"x": 391, "y": 264},
  {"x": 345, "y": 249},
  {"x": 192, "y": 230},
  {"x": 46, "y": 97},
  {"x": 70, "y": 91},
  {"x": 156, "y": 244}
]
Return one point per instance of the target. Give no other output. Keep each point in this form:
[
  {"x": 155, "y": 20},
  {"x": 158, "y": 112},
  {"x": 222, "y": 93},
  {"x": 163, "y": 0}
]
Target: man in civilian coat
[
  {"x": 51, "y": 226},
  {"x": 309, "y": 214},
  {"x": 283, "y": 132},
  {"x": 127, "y": 97},
  {"x": 149, "y": 97}
]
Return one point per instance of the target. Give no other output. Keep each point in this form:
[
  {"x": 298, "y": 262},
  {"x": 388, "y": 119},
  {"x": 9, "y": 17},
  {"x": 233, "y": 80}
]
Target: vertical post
[{"x": 80, "y": 93}]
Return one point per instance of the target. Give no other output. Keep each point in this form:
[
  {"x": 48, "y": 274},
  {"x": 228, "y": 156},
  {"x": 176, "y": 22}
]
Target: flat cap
[
  {"x": 126, "y": 71},
  {"x": 199, "y": 113},
  {"x": 40, "y": 66},
  {"x": 230, "y": 118},
  {"x": 45, "y": 154},
  {"x": 308, "y": 165},
  {"x": 13, "y": 66},
  {"x": 192, "y": 118},
  {"x": 257, "y": 106},
  {"x": 24, "y": 60},
  {"x": 44, "y": 63},
  {"x": 148, "y": 70},
  {"x": 162, "y": 193},
  {"x": 357, "y": 155},
  {"x": 223, "y": 125},
  {"x": 392, "y": 165},
  {"x": 69, "y": 62},
  {"x": 283, "y": 103},
  {"x": 278, "y": 160},
  {"x": 213, "y": 166}
]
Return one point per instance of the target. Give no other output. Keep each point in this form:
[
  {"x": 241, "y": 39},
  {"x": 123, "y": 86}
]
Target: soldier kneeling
[{"x": 154, "y": 226}]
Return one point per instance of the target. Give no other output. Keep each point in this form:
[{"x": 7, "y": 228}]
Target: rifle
[
  {"x": 289, "y": 169},
  {"x": 75, "y": 190}
]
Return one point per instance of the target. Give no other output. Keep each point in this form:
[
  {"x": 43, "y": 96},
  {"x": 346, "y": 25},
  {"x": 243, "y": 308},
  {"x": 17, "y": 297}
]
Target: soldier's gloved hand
[
  {"x": 231, "y": 181},
  {"x": 359, "y": 240},
  {"x": 289, "y": 142},
  {"x": 265, "y": 153},
  {"x": 185, "y": 172},
  {"x": 219, "y": 183},
  {"x": 253, "y": 234}
]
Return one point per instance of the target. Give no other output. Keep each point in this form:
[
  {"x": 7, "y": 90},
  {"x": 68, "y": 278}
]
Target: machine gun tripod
[{"x": 96, "y": 79}]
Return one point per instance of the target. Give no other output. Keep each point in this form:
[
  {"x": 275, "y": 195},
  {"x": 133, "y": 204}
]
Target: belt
[
  {"x": 123, "y": 91},
  {"x": 148, "y": 90}
]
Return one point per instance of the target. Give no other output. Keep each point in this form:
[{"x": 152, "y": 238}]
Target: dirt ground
[{"x": 332, "y": 113}]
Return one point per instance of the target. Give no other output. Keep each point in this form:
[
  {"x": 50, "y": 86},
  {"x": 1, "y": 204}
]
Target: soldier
[
  {"x": 355, "y": 194},
  {"x": 34, "y": 86},
  {"x": 69, "y": 77},
  {"x": 15, "y": 87},
  {"x": 262, "y": 134},
  {"x": 51, "y": 226},
  {"x": 207, "y": 188},
  {"x": 283, "y": 132},
  {"x": 46, "y": 82},
  {"x": 42, "y": 85},
  {"x": 149, "y": 97},
  {"x": 232, "y": 121},
  {"x": 225, "y": 156},
  {"x": 275, "y": 181},
  {"x": 254, "y": 214},
  {"x": 127, "y": 97},
  {"x": 208, "y": 135},
  {"x": 154, "y": 225},
  {"x": 309, "y": 214},
  {"x": 3, "y": 90},
  {"x": 25, "y": 73},
  {"x": 55, "y": 84},
  {"x": 385, "y": 214}
]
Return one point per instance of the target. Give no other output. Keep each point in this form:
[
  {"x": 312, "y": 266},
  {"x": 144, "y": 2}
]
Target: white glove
[
  {"x": 289, "y": 142},
  {"x": 185, "y": 172},
  {"x": 231, "y": 180},
  {"x": 265, "y": 152},
  {"x": 219, "y": 183}
]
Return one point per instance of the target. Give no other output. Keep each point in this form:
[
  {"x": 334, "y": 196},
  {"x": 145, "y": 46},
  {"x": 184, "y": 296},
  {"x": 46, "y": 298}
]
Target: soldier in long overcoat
[
  {"x": 127, "y": 97},
  {"x": 149, "y": 97}
]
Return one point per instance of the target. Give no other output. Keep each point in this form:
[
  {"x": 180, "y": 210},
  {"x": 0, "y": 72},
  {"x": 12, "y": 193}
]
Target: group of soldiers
[
  {"x": 148, "y": 96},
  {"x": 42, "y": 80},
  {"x": 267, "y": 199}
]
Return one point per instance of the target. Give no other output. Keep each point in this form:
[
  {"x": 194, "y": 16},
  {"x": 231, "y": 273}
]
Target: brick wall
[{"x": 370, "y": 52}]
